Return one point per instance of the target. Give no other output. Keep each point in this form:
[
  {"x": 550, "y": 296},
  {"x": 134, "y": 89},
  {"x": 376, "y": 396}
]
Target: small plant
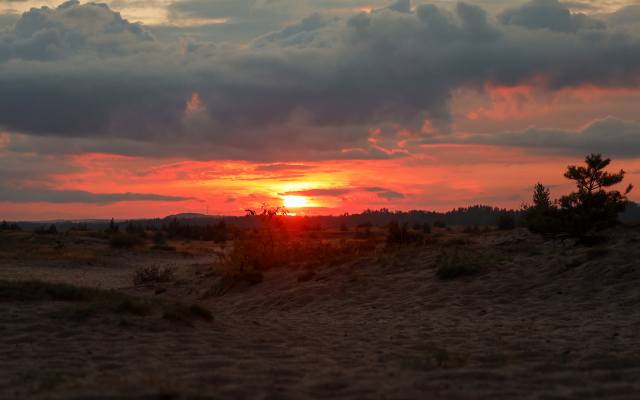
[
  {"x": 148, "y": 275},
  {"x": 458, "y": 263},
  {"x": 440, "y": 224}
]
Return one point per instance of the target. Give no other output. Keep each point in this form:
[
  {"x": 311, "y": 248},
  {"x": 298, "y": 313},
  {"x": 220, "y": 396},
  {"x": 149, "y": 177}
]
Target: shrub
[
  {"x": 113, "y": 227},
  {"x": 5, "y": 226},
  {"x": 543, "y": 217},
  {"x": 458, "y": 263},
  {"x": 153, "y": 274},
  {"x": 440, "y": 224},
  {"x": 51, "y": 230},
  {"x": 590, "y": 208},
  {"x": 401, "y": 235}
]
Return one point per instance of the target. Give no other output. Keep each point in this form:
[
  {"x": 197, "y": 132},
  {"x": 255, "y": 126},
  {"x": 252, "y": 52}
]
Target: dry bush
[
  {"x": 147, "y": 275},
  {"x": 271, "y": 245}
]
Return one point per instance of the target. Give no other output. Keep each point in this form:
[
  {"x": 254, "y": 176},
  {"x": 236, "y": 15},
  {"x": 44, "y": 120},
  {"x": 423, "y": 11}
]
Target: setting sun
[{"x": 295, "y": 201}]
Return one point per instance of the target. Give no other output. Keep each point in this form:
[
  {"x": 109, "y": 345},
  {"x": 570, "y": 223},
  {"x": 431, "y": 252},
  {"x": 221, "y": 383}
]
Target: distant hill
[
  {"x": 466, "y": 216},
  {"x": 187, "y": 216}
]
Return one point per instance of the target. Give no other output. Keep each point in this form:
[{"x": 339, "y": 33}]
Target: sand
[{"x": 542, "y": 321}]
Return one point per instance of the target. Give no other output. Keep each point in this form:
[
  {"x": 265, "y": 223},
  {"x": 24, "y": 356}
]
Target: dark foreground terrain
[{"x": 508, "y": 316}]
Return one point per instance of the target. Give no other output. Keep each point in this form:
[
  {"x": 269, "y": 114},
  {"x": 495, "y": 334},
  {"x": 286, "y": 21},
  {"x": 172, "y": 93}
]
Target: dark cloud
[
  {"x": 549, "y": 14},
  {"x": 385, "y": 193},
  {"x": 282, "y": 167},
  {"x": 37, "y": 195},
  {"x": 319, "y": 192},
  {"x": 339, "y": 192},
  {"x": 611, "y": 136},
  {"x": 312, "y": 90},
  {"x": 46, "y": 34}
]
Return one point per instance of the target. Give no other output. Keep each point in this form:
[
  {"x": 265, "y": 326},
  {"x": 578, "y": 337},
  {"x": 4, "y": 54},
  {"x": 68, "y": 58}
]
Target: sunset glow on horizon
[{"x": 135, "y": 110}]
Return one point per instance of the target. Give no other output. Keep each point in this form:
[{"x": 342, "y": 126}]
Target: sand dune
[{"x": 542, "y": 321}]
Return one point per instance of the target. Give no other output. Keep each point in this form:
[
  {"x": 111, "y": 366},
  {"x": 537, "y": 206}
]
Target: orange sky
[{"x": 479, "y": 142}]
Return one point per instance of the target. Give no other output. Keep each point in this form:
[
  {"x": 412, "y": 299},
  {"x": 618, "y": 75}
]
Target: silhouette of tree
[
  {"x": 541, "y": 197},
  {"x": 592, "y": 206},
  {"x": 543, "y": 216}
]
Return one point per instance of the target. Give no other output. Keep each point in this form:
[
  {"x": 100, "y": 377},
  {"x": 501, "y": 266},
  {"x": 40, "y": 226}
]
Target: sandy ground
[{"x": 543, "y": 321}]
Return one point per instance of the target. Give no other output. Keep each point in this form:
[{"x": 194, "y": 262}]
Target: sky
[{"x": 146, "y": 108}]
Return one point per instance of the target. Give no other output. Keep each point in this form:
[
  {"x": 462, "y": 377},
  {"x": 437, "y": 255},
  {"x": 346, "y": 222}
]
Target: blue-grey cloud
[
  {"x": 80, "y": 77},
  {"x": 611, "y": 136},
  {"x": 339, "y": 192},
  {"x": 549, "y": 14},
  {"x": 46, "y": 195}
]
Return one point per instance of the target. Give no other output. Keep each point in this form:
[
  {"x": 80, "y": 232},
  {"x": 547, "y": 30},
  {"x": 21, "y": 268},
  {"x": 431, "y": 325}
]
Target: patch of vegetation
[
  {"x": 160, "y": 243},
  {"x": 50, "y": 230},
  {"x": 399, "y": 235},
  {"x": 147, "y": 275},
  {"x": 5, "y": 226},
  {"x": 579, "y": 214},
  {"x": 89, "y": 302},
  {"x": 456, "y": 263}
]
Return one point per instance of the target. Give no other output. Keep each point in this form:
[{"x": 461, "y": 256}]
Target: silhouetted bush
[
  {"x": 440, "y": 224},
  {"x": 5, "y": 226},
  {"x": 218, "y": 232},
  {"x": 398, "y": 234},
  {"x": 543, "y": 216},
  {"x": 113, "y": 227},
  {"x": 592, "y": 207},
  {"x": 589, "y": 209},
  {"x": 50, "y": 230}
]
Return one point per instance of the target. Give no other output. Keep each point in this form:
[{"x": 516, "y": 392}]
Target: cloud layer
[{"x": 314, "y": 89}]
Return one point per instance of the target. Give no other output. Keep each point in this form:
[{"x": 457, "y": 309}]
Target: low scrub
[{"x": 400, "y": 234}]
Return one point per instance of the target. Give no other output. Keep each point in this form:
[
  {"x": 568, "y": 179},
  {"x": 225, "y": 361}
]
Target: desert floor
[{"x": 543, "y": 320}]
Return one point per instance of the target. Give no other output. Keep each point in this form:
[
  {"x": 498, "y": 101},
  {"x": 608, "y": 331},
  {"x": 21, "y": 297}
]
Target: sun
[{"x": 295, "y": 201}]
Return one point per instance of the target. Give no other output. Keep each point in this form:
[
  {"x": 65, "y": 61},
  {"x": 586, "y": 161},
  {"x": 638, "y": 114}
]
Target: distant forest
[{"x": 468, "y": 216}]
